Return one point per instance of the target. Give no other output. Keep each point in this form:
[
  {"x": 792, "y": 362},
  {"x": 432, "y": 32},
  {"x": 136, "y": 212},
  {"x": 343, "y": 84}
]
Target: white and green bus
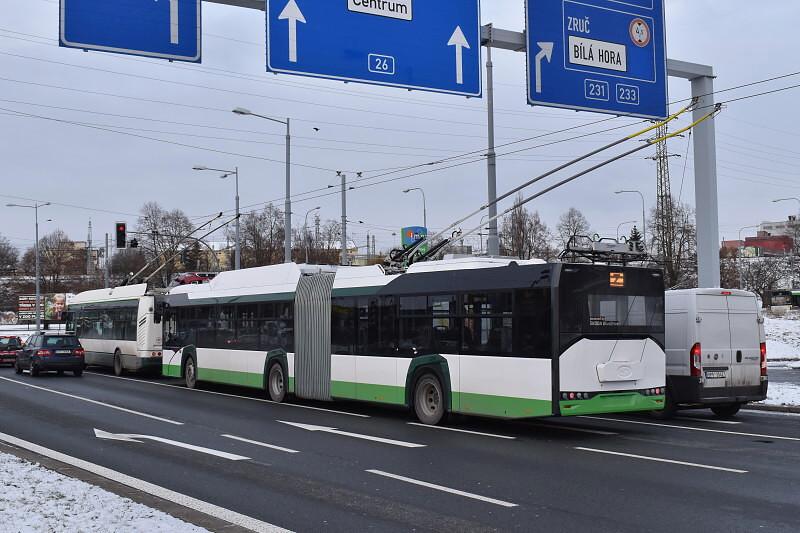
[
  {"x": 119, "y": 328},
  {"x": 490, "y": 337}
]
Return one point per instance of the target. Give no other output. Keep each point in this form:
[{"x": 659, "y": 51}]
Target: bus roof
[{"x": 128, "y": 292}]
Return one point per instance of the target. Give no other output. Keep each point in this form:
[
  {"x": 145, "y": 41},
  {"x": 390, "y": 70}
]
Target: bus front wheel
[
  {"x": 276, "y": 383},
  {"x": 118, "y": 368},
  {"x": 429, "y": 400},
  {"x": 190, "y": 373}
]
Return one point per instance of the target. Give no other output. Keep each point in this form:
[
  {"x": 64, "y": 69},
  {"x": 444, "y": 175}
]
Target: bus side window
[{"x": 532, "y": 324}]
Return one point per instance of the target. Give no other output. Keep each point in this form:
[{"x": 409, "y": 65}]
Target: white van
[{"x": 716, "y": 350}]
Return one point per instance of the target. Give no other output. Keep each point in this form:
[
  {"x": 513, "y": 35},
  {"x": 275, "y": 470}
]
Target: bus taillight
[{"x": 695, "y": 360}]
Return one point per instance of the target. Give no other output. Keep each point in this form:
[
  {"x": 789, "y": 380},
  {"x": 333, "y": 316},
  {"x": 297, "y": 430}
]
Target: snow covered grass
[
  {"x": 33, "y": 498},
  {"x": 783, "y": 394},
  {"x": 783, "y": 338}
]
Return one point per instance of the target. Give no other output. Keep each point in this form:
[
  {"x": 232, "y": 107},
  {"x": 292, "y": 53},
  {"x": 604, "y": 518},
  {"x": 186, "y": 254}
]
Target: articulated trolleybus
[
  {"x": 119, "y": 328},
  {"x": 491, "y": 337}
]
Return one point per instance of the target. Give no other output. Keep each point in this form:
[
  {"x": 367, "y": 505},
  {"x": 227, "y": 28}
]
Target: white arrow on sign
[
  {"x": 545, "y": 52},
  {"x": 459, "y": 40},
  {"x": 293, "y": 14},
  {"x": 174, "y": 26},
  {"x": 309, "y": 427},
  {"x": 100, "y": 434}
]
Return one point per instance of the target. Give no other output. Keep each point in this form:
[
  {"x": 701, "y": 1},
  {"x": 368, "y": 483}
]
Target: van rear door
[
  {"x": 714, "y": 336},
  {"x": 745, "y": 341}
]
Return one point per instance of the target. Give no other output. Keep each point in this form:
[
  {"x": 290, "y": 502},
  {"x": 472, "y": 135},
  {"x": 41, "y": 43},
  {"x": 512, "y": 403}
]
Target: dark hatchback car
[
  {"x": 44, "y": 353},
  {"x": 9, "y": 346}
]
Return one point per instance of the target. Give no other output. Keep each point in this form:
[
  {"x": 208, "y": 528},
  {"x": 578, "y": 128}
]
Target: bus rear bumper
[
  {"x": 141, "y": 364},
  {"x": 613, "y": 402}
]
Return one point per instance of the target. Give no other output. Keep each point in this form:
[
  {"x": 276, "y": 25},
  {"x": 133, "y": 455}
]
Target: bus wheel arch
[
  {"x": 276, "y": 376},
  {"x": 429, "y": 366}
]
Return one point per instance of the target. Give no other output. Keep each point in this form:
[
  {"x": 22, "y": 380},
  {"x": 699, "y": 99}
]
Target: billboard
[{"x": 53, "y": 307}]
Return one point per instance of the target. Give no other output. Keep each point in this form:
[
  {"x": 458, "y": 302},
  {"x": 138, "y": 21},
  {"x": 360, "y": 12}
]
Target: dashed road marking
[
  {"x": 445, "y": 428},
  {"x": 660, "y": 460},
  {"x": 262, "y": 444},
  {"x": 706, "y": 430}
]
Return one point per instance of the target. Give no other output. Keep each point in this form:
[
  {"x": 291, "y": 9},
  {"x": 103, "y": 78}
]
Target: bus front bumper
[{"x": 612, "y": 402}]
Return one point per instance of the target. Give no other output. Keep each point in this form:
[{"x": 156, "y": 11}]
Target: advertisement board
[{"x": 53, "y": 308}]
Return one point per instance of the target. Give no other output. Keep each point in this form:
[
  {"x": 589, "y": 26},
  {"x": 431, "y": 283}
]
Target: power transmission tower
[{"x": 665, "y": 220}]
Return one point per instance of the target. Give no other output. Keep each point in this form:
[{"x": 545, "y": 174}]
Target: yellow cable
[
  {"x": 716, "y": 111},
  {"x": 665, "y": 121}
]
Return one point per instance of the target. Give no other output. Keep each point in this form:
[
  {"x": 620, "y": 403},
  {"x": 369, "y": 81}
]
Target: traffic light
[{"x": 122, "y": 235}]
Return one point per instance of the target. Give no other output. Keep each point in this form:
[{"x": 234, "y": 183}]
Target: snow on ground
[
  {"x": 783, "y": 338},
  {"x": 33, "y": 498},
  {"x": 783, "y": 394}
]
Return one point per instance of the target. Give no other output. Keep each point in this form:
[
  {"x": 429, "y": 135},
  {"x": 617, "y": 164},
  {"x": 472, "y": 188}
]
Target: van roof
[{"x": 713, "y": 292}]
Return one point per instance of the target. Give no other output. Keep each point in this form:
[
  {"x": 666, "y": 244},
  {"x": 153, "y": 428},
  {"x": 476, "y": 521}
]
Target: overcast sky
[{"x": 361, "y": 128}]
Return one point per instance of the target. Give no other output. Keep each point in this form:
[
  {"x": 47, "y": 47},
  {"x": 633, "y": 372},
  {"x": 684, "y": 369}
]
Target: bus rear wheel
[
  {"x": 276, "y": 383},
  {"x": 190, "y": 373},
  {"x": 118, "y": 368},
  {"x": 429, "y": 400}
]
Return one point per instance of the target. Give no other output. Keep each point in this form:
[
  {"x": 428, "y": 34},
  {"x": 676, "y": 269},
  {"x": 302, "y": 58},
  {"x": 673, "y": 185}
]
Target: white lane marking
[
  {"x": 660, "y": 460},
  {"x": 711, "y": 420},
  {"x": 579, "y": 430},
  {"x": 95, "y": 402},
  {"x": 443, "y": 489},
  {"x": 200, "y": 506},
  {"x": 263, "y": 444},
  {"x": 232, "y": 395},
  {"x": 445, "y": 428},
  {"x": 777, "y": 437},
  {"x": 100, "y": 434},
  {"x": 323, "y": 429}
]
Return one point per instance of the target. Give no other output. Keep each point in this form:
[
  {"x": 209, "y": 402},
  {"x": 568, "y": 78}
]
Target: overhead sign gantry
[
  {"x": 431, "y": 46},
  {"x": 606, "y": 56}
]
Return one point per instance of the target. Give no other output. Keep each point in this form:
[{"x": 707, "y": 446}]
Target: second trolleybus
[{"x": 480, "y": 336}]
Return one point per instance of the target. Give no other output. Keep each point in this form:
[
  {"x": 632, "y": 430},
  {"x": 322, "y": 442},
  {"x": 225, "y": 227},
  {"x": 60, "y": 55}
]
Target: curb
[{"x": 773, "y": 408}]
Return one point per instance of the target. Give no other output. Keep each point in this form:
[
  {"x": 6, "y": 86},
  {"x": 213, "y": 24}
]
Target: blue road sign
[
  {"x": 414, "y": 44},
  {"x": 167, "y": 29},
  {"x": 607, "y": 56}
]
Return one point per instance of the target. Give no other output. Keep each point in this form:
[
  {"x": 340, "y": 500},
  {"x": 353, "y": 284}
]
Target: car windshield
[
  {"x": 9, "y": 343},
  {"x": 60, "y": 342}
]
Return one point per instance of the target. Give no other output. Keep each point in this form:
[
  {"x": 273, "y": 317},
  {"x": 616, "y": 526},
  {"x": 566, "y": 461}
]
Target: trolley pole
[{"x": 492, "y": 241}]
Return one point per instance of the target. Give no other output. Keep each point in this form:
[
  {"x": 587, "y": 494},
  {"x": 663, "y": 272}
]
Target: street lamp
[
  {"x": 644, "y": 217},
  {"x": 786, "y": 200},
  {"x": 424, "y": 205},
  {"x": 624, "y": 224},
  {"x": 226, "y": 174},
  {"x": 35, "y": 208},
  {"x": 740, "y": 258},
  {"x": 305, "y": 229},
  {"x": 288, "y": 206}
]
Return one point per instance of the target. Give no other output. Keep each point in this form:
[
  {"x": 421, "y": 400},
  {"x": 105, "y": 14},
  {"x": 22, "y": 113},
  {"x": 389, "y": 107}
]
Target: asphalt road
[{"x": 609, "y": 473}]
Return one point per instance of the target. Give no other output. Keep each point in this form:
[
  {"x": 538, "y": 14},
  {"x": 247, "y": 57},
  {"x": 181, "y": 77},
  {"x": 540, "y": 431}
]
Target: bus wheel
[
  {"x": 190, "y": 373},
  {"x": 276, "y": 384},
  {"x": 429, "y": 400},
  {"x": 726, "y": 411},
  {"x": 118, "y": 368}
]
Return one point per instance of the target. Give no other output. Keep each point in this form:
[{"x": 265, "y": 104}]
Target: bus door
[{"x": 312, "y": 337}]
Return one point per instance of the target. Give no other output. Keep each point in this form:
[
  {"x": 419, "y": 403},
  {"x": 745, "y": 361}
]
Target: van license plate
[{"x": 715, "y": 375}]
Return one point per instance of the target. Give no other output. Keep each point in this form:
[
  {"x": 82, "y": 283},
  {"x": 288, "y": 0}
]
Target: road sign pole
[
  {"x": 288, "y": 216},
  {"x": 343, "y": 259},
  {"x": 105, "y": 264},
  {"x": 705, "y": 175},
  {"x": 493, "y": 242}
]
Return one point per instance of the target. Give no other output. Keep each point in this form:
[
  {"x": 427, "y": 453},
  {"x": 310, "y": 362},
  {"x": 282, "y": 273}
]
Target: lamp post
[
  {"x": 226, "y": 174},
  {"x": 644, "y": 209},
  {"x": 741, "y": 246},
  {"x": 786, "y": 200},
  {"x": 305, "y": 229},
  {"x": 624, "y": 224},
  {"x": 424, "y": 205},
  {"x": 288, "y": 205},
  {"x": 35, "y": 208}
]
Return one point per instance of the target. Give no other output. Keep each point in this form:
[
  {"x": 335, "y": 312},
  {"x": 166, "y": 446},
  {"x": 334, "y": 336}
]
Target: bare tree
[
  {"x": 525, "y": 234},
  {"x": 763, "y": 275},
  {"x": 9, "y": 256},
  {"x": 127, "y": 262},
  {"x": 680, "y": 266},
  {"x": 58, "y": 258},
  {"x": 161, "y": 234},
  {"x": 570, "y": 224}
]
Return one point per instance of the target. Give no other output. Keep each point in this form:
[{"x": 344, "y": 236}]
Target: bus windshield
[{"x": 599, "y": 301}]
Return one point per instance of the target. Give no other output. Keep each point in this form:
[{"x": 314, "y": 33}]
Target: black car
[
  {"x": 45, "y": 352},
  {"x": 9, "y": 345}
]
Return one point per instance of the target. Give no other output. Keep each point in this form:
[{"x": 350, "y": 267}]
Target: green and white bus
[
  {"x": 490, "y": 337},
  {"x": 119, "y": 328}
]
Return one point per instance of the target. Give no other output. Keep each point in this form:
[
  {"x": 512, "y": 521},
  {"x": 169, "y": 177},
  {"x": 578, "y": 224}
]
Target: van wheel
[
  {"x": 190, "y": 373},
  {"x": 726, "y": 411},
  {"x": 276, "y": 383},
  {"x": 118, "y": 368},
  {"x": 429, "y": 400}
]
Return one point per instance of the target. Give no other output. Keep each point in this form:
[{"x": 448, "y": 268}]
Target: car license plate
[
  {"x": 715, "y": 375},
  {"x": 63, "y": 352}
]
